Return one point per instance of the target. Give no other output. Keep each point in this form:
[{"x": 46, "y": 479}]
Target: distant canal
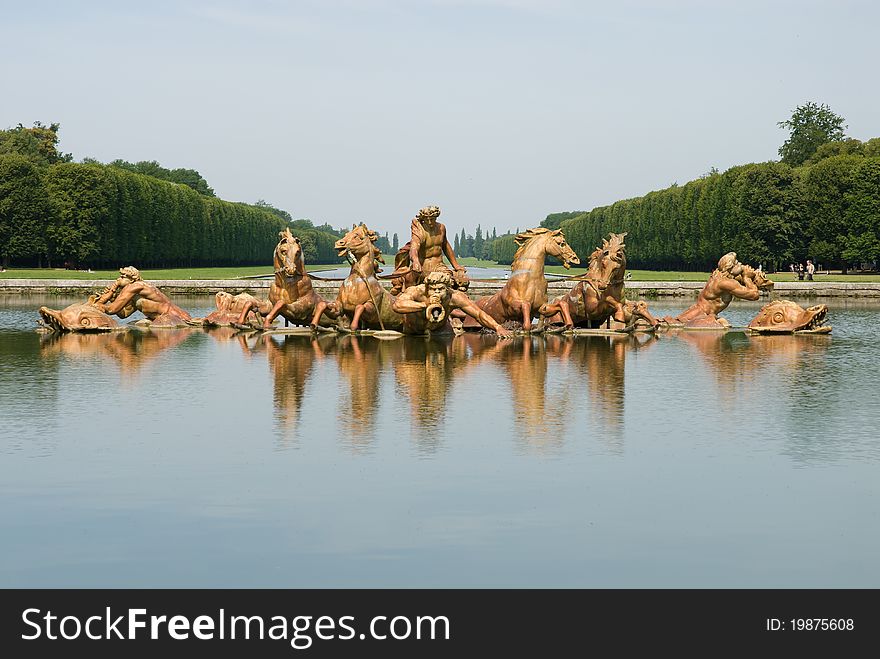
[{"x": 191, "y": 458}]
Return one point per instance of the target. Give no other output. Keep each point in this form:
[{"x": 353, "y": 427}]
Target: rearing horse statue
[
  {"x": 291, "y": 294},
  {"x": 526, "y": 289},
  {"x": 361, "y": 298},
  {"x": 598, "y": 295}
]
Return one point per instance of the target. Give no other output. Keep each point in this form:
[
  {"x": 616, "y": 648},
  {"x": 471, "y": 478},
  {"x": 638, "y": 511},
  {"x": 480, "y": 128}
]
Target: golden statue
[
  {"x": 525, "y": 291},
  {"x": 787, "y": 317},
  {"x": 424, "y": 253},
  {"x": 361, "y": 301},
  {"x": 130, "y": 293},
  {"x": 78, "y": 317},
  {"x": 729, "y": 280},
  {"x": 598, "y": 297},
  {"x": 291, "y": 295},
  {"x": 233, "y": 308},
  {"x": 426, "y": 307}
]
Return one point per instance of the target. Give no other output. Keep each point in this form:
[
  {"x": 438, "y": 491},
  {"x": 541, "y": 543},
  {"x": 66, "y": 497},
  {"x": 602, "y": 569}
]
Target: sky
[{"x": 497, "y": 111}]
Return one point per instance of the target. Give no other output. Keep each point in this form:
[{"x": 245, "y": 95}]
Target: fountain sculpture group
[{"x": 427, "y": 296}]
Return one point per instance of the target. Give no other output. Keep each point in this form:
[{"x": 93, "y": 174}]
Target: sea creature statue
[
  {"x": 787, "y": 317},
  {"x": 361, "y": 300},
  {"x": 79, "y": 317},
  {"x": 424, "y": 253},
  {"x": 427, "y": 307},
  {"x": 130, "y": 293},
  {"x": 599, "y": 296},
  {"x": 729, "y": 280},
  {"x": 291, "y": 294},
  {"x": 525, "y": 292},
  {"x": 231, "y": 307}
]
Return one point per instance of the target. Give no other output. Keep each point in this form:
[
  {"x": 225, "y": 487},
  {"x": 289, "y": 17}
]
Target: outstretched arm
[{"x": 405, "y": 303}]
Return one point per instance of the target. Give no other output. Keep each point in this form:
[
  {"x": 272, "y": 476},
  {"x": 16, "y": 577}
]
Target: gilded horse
[
  {"x": 598, "y": 296},
  {"x": 526, "y": 289},
  {"x": 291, "y": 294},
  {"x": 361, "y": 298}
]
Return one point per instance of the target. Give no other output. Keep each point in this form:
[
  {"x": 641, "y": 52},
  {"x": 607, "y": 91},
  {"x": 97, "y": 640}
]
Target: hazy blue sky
[{"x": 498, "y": 111}]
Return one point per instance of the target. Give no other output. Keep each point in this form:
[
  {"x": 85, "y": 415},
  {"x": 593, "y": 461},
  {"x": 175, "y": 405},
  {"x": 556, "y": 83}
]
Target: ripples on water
[{"x": 549, "y": 461}]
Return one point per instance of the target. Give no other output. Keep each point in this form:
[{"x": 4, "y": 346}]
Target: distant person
[
  {"x": 810, "y": 270},
  {"x": 800, "y": 272}
]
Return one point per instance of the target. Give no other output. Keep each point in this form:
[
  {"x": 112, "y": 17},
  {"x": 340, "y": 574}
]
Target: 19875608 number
[{"x": 821, "y": 624}]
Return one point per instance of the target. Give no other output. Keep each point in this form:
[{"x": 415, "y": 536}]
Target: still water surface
[{"x": 189, "y": 458}]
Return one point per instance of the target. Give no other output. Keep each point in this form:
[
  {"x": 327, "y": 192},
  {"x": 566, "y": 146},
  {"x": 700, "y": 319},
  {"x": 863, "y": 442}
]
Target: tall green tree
[
  {"x": 188, "y": 177},
  {"x": 24, "y": 209},
  {"x": 478, "y": 243},
  {"x": 39, "y": 143},
  {"x": 283, "y": 214},
  {"x": 811, "y": 125}
]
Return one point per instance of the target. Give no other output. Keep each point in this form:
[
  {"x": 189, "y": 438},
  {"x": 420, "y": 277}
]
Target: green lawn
[
  {"x": 671, "y": 275},
  {"x": 250, "y": 271}
]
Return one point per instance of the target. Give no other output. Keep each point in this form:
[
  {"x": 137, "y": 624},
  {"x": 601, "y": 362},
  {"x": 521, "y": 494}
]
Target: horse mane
[
  {"x": 612, "y": 245},
  {"x": 522, "y": 239}
]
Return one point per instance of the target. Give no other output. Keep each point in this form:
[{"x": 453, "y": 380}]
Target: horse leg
[
  {"x": 526, "y": 316},
  {"x": 244, "y": 312},
  {"x": 562, "y": 307},
  {"x": 319, "y": 309},
  {"x": 267, "y": 323},
  {"x": 355, "y": 319}
]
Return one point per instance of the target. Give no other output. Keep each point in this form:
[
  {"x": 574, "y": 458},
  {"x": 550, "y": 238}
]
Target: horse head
[
  {"x": 551, "y": 241},
  {"x": 288, "y": 257},
  {"x": 558, "y": 247},
  {"x": 608, "y": 262},
  {"x": 359, "y": 242}
]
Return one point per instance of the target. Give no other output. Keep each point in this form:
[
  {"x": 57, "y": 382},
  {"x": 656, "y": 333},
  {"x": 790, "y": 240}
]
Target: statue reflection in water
[
  {"x": 597, "y": 368},
  {"x": 361, "y": 361},
  {"x": 547, "y": 378},
  {"x": 423, "y": 375},
  {"x": 291, "y": 361},
  {"x": 130, "y": 350},
  {"x": 745, "y": 367}
]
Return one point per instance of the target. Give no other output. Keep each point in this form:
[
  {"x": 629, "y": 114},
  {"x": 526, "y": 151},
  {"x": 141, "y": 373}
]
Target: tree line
[
  {"x": 770, "y": 213},
  {"x": 57, "y": 212},
  {"x": 821, "y": 200}
]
